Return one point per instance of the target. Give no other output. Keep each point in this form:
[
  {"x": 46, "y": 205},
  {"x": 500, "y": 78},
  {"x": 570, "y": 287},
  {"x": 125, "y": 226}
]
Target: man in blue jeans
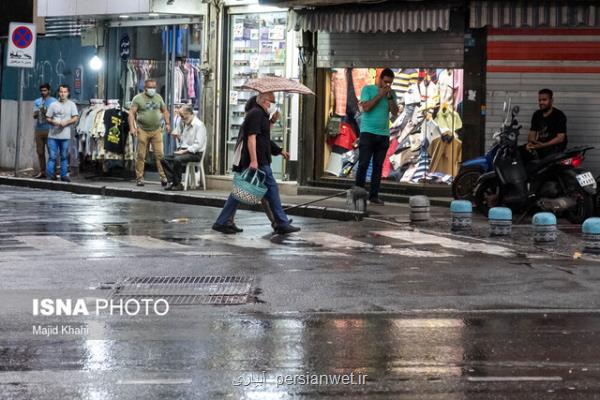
[
  {"x": 256, "y": 154},
  {"x": 62, "y": 116},
  {"x": 377, "y": 102}
]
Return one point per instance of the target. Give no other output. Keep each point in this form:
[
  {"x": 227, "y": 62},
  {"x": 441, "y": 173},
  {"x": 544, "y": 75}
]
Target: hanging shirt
[
  {"x": 448, "y": 120},
  {"x": 117, "y": 129},
  {"x": 447, "y": 85},
  {"x": 339, "y": 91}
]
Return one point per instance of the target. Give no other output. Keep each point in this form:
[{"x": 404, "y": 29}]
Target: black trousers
[
  {"x": 174, "y": 166},
  {"x": 376, "y": 147}
]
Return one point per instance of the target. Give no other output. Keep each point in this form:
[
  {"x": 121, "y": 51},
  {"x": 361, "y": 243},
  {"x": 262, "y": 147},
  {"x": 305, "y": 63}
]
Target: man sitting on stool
[{"x": 191, "y": 135}]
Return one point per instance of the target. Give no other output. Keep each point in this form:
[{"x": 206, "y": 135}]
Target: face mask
[
  {"x": 151, "y": 92},
  {"x": 272, "y": 108}
]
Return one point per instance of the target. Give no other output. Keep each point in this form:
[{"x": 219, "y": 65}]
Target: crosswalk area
[{"x": 402, "y": 243}]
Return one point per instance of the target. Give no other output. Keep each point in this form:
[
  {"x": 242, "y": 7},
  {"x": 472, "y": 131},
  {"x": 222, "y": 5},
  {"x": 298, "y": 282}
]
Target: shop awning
[
  {"x": 371, "y": 19},
  {"x": 534, "y": 14}
]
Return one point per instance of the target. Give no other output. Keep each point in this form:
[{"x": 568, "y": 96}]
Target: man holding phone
[{"x": 377, "y": 102}]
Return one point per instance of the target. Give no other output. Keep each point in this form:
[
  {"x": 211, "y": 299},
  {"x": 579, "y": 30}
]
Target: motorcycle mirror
[{"x": 516, "y": 110}]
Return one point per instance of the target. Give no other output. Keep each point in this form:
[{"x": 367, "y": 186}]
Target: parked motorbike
[
  {"x": 465, "y": 181},
  {"x": 555, "y": 183}
]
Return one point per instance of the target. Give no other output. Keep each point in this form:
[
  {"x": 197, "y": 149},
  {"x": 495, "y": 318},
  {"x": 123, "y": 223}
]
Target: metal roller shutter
[
  {"x": 394, "y": 50},
  {"x": 567, "y": 61}
]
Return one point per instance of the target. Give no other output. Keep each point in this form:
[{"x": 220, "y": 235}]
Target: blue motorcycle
[{"x": 465, "y": 181}]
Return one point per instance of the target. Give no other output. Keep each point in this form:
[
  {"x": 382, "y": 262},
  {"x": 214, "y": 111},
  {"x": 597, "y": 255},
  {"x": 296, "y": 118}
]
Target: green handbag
[
  {"x": 249, "y": 186},
  {"x": 333, "y": 126}
]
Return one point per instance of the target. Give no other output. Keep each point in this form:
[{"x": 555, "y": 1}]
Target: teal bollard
[
  {"x": 462, "y": 215},
  {"x": 591, "y": 235},
  {"x": 500, "y": 219},
  {"x": 544, "y": 227}
]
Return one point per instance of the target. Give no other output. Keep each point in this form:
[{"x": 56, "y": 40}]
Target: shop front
[
  {"x": 256, "y": 43},
  {"x": 132, "y": 43},
  {"x": 425, "y": 47},
  {"x": 556, "y": 46}
]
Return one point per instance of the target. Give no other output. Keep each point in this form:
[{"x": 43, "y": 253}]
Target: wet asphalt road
[{"x": 421, "y": 314}]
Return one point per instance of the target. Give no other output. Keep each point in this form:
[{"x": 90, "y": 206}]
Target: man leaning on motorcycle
[{"x": 548, "y": 134}]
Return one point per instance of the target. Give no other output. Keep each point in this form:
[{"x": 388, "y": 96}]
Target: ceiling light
[
  {"x": 96, "y": 63},
  {"x": 123, "y": 16}
]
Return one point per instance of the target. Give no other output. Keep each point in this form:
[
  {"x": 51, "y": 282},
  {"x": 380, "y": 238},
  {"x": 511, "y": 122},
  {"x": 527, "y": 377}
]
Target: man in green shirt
[
  {"x": 145, "y": 114},
  {"x": 377, "y": 102}
]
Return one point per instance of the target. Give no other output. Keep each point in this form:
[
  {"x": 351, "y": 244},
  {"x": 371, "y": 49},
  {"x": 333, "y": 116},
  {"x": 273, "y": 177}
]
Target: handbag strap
[{"x": 260, "y": 179}]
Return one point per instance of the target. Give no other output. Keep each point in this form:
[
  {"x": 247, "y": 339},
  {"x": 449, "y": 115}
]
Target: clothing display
[
  {"x": 404, "y": 77},
  {"x": 135, "y": 74},
  {"x": 188, "y": 79},
  {"x": 446, "y": 154},
  {"x": 101, "y": 125},
  {"x": 424, "y": 140},
  {"x": 116, "y": 130}
]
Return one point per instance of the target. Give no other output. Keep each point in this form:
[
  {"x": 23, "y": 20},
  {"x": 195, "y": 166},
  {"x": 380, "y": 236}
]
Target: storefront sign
[
  {"x": 125, "y": 47},
  {"x": 21, "y": 45},
  {"x": 77, "y": 76}
]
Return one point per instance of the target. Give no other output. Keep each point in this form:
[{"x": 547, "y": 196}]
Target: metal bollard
[
  {"x": 500, "y": 219},
  {"x": 356, "y": 199},
  {"x": 591, "y": 235},
  {"x": 544, "y": 227},
  {"x": 419, "y": 209},
  {"x": 462, "y": 215}
]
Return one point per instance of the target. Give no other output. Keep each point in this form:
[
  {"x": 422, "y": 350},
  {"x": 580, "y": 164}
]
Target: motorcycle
[
  {"x": 465, "y": 181},
  {"x": 555, "y": 183}
]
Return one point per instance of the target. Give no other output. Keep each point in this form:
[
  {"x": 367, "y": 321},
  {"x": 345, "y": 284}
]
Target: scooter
[
  {"x": 555, "y": 183},
  {"x": 465, "y": 181}
]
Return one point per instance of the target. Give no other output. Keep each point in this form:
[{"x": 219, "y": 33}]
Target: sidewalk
[{"x": 334, "y": 208}]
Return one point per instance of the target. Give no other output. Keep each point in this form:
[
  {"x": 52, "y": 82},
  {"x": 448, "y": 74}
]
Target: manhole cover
[{"x": 180, "y": 290}]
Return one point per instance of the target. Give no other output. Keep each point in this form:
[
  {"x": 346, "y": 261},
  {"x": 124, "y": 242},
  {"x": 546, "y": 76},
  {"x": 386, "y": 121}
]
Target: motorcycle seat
[{"x": 534, "y": 165}]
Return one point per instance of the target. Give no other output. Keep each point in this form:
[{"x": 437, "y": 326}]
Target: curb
[
  {"x": 388, "y": 197},
  {"x": 338, "y": 214}
]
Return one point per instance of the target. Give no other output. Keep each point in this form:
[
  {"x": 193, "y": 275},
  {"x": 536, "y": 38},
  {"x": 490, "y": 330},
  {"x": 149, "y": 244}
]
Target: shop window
[
  {"x": 425, "y": 138},
  {"x": 258, "y": 46}
]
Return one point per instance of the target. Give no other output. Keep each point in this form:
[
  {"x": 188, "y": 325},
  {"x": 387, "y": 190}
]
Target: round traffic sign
[{"x": 22, "y": 37}]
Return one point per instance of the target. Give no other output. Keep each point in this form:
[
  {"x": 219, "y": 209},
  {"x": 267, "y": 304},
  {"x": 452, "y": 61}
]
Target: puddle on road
[{"x": 293, "y": 241}]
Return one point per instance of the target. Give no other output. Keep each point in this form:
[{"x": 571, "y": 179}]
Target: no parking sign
[{"x": 21, "y": 45}]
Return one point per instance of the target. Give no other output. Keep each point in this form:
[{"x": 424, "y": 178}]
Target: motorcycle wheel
[
  {"x": 465, "y": 182},
  {"x": 583, "y": 210},
  {"x": 487, "y": 196}
]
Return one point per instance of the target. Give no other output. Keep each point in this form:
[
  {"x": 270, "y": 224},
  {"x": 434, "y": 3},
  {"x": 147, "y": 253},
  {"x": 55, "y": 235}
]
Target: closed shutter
[
  {"x": 394, "y": 50},
  {"x": 567, "y": 61}
]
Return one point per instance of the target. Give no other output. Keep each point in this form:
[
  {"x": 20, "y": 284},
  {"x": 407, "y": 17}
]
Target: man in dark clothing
[
  {"x": 548, "y": 133},
  {"x": 256, "y": 154}
]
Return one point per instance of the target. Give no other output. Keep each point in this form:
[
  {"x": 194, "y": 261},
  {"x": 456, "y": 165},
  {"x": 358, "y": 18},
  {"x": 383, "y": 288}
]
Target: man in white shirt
[{"x": 191, "y": 135}]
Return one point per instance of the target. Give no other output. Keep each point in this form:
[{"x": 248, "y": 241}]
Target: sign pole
[
  {"x": 19, "y": 126},
  {"x": 20, "y": 54}
]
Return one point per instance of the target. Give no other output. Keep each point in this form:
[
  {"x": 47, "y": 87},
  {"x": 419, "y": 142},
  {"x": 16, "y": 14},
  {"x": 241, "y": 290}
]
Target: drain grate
[{"x": 186, "y": 290}]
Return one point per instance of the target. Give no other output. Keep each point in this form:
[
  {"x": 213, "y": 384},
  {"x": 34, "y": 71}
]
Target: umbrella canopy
[{"x": 276, "y": 84}]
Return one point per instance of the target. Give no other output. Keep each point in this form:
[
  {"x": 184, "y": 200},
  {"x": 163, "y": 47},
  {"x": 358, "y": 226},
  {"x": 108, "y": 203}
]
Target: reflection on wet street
[
  {"x": 341, "y": 310},
  {"x": 250, "y": 356}
]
